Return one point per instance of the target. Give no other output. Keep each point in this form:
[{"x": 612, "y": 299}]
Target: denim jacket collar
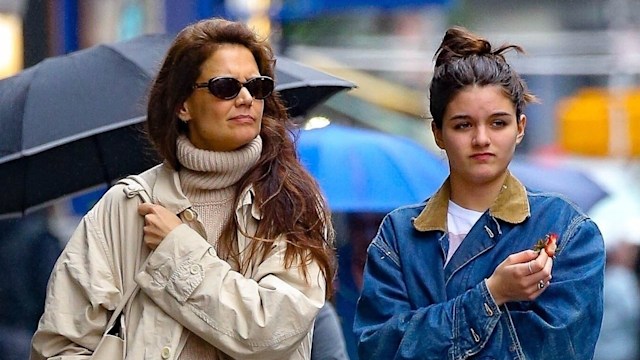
[{"x": 512, "y": 206}]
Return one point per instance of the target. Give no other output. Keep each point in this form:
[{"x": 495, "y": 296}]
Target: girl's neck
[{"x": 476, "y": 196}]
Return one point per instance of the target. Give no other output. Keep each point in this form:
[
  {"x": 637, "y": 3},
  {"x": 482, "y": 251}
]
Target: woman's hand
[
  {"x": 522, "y": 276},
  {"x": 158, "y": 222}
]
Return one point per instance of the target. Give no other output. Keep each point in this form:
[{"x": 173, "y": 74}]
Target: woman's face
[
  {"x": 224, "y": 125},
  {"x": 479, "y": 133}
]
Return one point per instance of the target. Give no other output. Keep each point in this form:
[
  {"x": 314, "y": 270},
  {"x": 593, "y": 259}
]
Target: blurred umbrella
[
  {"x": 71, "y": 123},
  {"x": 618, "y": 218},
  {"x": 362, "y": 170},
  {"x": 571, "y": 182}
]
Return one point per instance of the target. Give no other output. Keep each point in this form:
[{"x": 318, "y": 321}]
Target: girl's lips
[{"x": 482, "y": 156}]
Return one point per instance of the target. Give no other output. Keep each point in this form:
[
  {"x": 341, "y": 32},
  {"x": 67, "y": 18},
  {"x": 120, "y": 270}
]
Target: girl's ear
[
  {"x": 522, "y": 124},
  {"x": 437, "y": 134}
]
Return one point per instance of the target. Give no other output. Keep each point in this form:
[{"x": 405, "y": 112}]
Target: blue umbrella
[{"x": 361, "y": 170}]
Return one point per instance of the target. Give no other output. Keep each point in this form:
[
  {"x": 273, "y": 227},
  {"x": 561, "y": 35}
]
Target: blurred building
[
  {"x": 571, "y": 45},
  {"x": 11, "y": 36}
]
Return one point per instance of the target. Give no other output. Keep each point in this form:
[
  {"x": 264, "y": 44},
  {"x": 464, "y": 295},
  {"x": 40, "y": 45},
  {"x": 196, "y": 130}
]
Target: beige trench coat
[{"x": 265, "y": 313}]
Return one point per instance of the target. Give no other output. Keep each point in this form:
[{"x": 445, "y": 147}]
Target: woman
[
  {"x": 235, "y": 259},
  {"x": 456, "y": 277}
]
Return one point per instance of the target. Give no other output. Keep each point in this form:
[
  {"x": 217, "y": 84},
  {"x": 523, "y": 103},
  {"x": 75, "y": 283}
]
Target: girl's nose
[{"x": 481, "y": 137}]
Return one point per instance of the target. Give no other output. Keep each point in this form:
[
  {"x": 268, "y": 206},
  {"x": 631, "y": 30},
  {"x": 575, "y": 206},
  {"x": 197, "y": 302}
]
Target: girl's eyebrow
[
  {"x": 465, "y": 116},
  {"x": 460, "y": 117},
  {"x": 501, "y": 113}
]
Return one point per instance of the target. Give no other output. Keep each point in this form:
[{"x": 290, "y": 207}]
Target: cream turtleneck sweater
[{"x": 209, "y": 180}]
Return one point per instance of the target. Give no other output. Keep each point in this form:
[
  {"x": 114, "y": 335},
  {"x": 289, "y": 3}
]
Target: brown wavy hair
[
  {"x": 465, "y": 59},
  {"x": 289, "y": 198}
]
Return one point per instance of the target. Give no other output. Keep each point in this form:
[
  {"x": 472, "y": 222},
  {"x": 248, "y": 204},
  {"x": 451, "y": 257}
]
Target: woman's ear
[
  {"x": 437, "y": 135},
  {"x": 522, "y": 124},
  {"x": 183, "y": 112}
]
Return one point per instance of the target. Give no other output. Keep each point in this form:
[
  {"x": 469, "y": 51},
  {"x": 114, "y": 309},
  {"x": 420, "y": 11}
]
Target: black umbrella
[{"x": 72, "y": 123}]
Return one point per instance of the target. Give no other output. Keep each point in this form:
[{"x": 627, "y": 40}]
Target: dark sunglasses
[{"x": 227, "y": 88}]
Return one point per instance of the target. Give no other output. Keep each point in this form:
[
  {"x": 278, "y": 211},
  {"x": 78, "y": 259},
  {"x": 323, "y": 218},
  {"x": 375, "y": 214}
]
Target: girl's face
[
  {"x": 224, "y": 125},
  {"x": 479, "y": 133}
]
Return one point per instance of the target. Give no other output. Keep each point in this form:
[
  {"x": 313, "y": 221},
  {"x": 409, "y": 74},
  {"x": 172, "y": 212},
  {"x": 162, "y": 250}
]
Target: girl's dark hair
[
  {"x": 465, "y": 59},
  {"x": 288, "y": 196}
]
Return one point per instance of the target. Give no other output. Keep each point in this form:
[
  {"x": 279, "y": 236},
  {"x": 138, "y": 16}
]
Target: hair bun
[{"x": 459, "y": 42}]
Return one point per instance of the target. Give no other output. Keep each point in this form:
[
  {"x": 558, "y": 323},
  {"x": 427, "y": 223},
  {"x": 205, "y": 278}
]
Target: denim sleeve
[{"x": 389, "y": 327}]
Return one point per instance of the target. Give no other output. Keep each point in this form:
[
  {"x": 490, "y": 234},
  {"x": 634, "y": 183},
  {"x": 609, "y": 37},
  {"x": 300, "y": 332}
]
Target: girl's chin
[{"x": 483, "y": 175}]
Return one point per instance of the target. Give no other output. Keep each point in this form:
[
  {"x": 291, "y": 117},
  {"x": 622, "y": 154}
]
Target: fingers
[
  {"x": 145, "y": 208},
  {"x": 159, "y": 221},
  {"x": 540, "y": 272},
  {"x": 538, "y": 264},
  {"x": 522, "y": 256}
]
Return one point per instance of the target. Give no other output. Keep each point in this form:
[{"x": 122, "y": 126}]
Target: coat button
[
  {"x": 195, "y": 269},
  {"x": 165, "y": 353},
  {"x": 190, "y": 215}
]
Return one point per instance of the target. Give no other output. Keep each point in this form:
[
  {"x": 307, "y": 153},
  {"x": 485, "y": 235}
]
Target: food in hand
[{"x": 548, "y": 244}]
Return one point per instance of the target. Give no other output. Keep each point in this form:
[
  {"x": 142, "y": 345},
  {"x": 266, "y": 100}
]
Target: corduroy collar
[{"x": 512, "y": 206}]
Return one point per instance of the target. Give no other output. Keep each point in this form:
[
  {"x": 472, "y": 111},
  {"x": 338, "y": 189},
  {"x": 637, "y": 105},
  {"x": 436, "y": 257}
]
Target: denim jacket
[{"x": 414, "y": 307}]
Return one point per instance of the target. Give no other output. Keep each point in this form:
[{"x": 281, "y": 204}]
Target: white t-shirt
[{"x": 459, "y": 222}]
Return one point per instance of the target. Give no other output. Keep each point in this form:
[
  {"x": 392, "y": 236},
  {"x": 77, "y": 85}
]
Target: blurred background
[{"x": 582, "y": 60}]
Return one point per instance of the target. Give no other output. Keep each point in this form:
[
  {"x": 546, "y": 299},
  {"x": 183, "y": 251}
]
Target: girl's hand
[
  {"x": 158, "y": 222},
  {"x": 522, "y": 276}
]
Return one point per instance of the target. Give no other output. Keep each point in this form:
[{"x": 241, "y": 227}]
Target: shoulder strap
[
  {"x": 135, "y": 186},
  {"x": 130, "y": 294}
]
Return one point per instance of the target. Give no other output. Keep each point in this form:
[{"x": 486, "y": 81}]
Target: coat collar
[
  {"x": 512, "y": 206},
  {"x": 168, "y": 192}
]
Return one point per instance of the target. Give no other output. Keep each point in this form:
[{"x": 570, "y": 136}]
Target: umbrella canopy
[
  {"x": 73, "y": 122},
  {"x": 569, "y": 181},
  {"x": 362, "y": 170}
]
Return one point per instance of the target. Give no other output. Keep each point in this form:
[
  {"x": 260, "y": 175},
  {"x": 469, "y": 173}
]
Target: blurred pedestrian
[
  {"x": 620, "y": 334},
  {"x": 456, "y": 277},
  {"x": 28, "y": 251},
  {"x": 353, "y": 235},
  {"x": 238, "y": 242},
  {"x": 328, "y": 340}
]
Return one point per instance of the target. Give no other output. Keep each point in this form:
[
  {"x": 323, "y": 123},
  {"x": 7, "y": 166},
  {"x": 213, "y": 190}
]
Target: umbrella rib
[{"x": 316, "y": 83}]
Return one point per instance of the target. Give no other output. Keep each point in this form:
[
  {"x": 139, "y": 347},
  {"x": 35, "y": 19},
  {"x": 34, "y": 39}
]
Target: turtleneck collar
[{"x": 203, "y": 171}]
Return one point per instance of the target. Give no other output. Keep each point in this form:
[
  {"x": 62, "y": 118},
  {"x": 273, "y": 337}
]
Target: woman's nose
[{"x": 244, "y": 97}]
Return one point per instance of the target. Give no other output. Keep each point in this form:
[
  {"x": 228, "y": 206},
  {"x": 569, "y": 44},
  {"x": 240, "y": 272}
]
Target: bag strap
[
  {"x": 136, "y": 186},
  {"x": 131, "y": 293}
]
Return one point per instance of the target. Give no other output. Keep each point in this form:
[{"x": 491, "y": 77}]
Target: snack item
[{"x": 548, "y": 243}]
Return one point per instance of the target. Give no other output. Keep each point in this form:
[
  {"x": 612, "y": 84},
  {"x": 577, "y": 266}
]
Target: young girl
[{"x": 456, "y": 277}]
